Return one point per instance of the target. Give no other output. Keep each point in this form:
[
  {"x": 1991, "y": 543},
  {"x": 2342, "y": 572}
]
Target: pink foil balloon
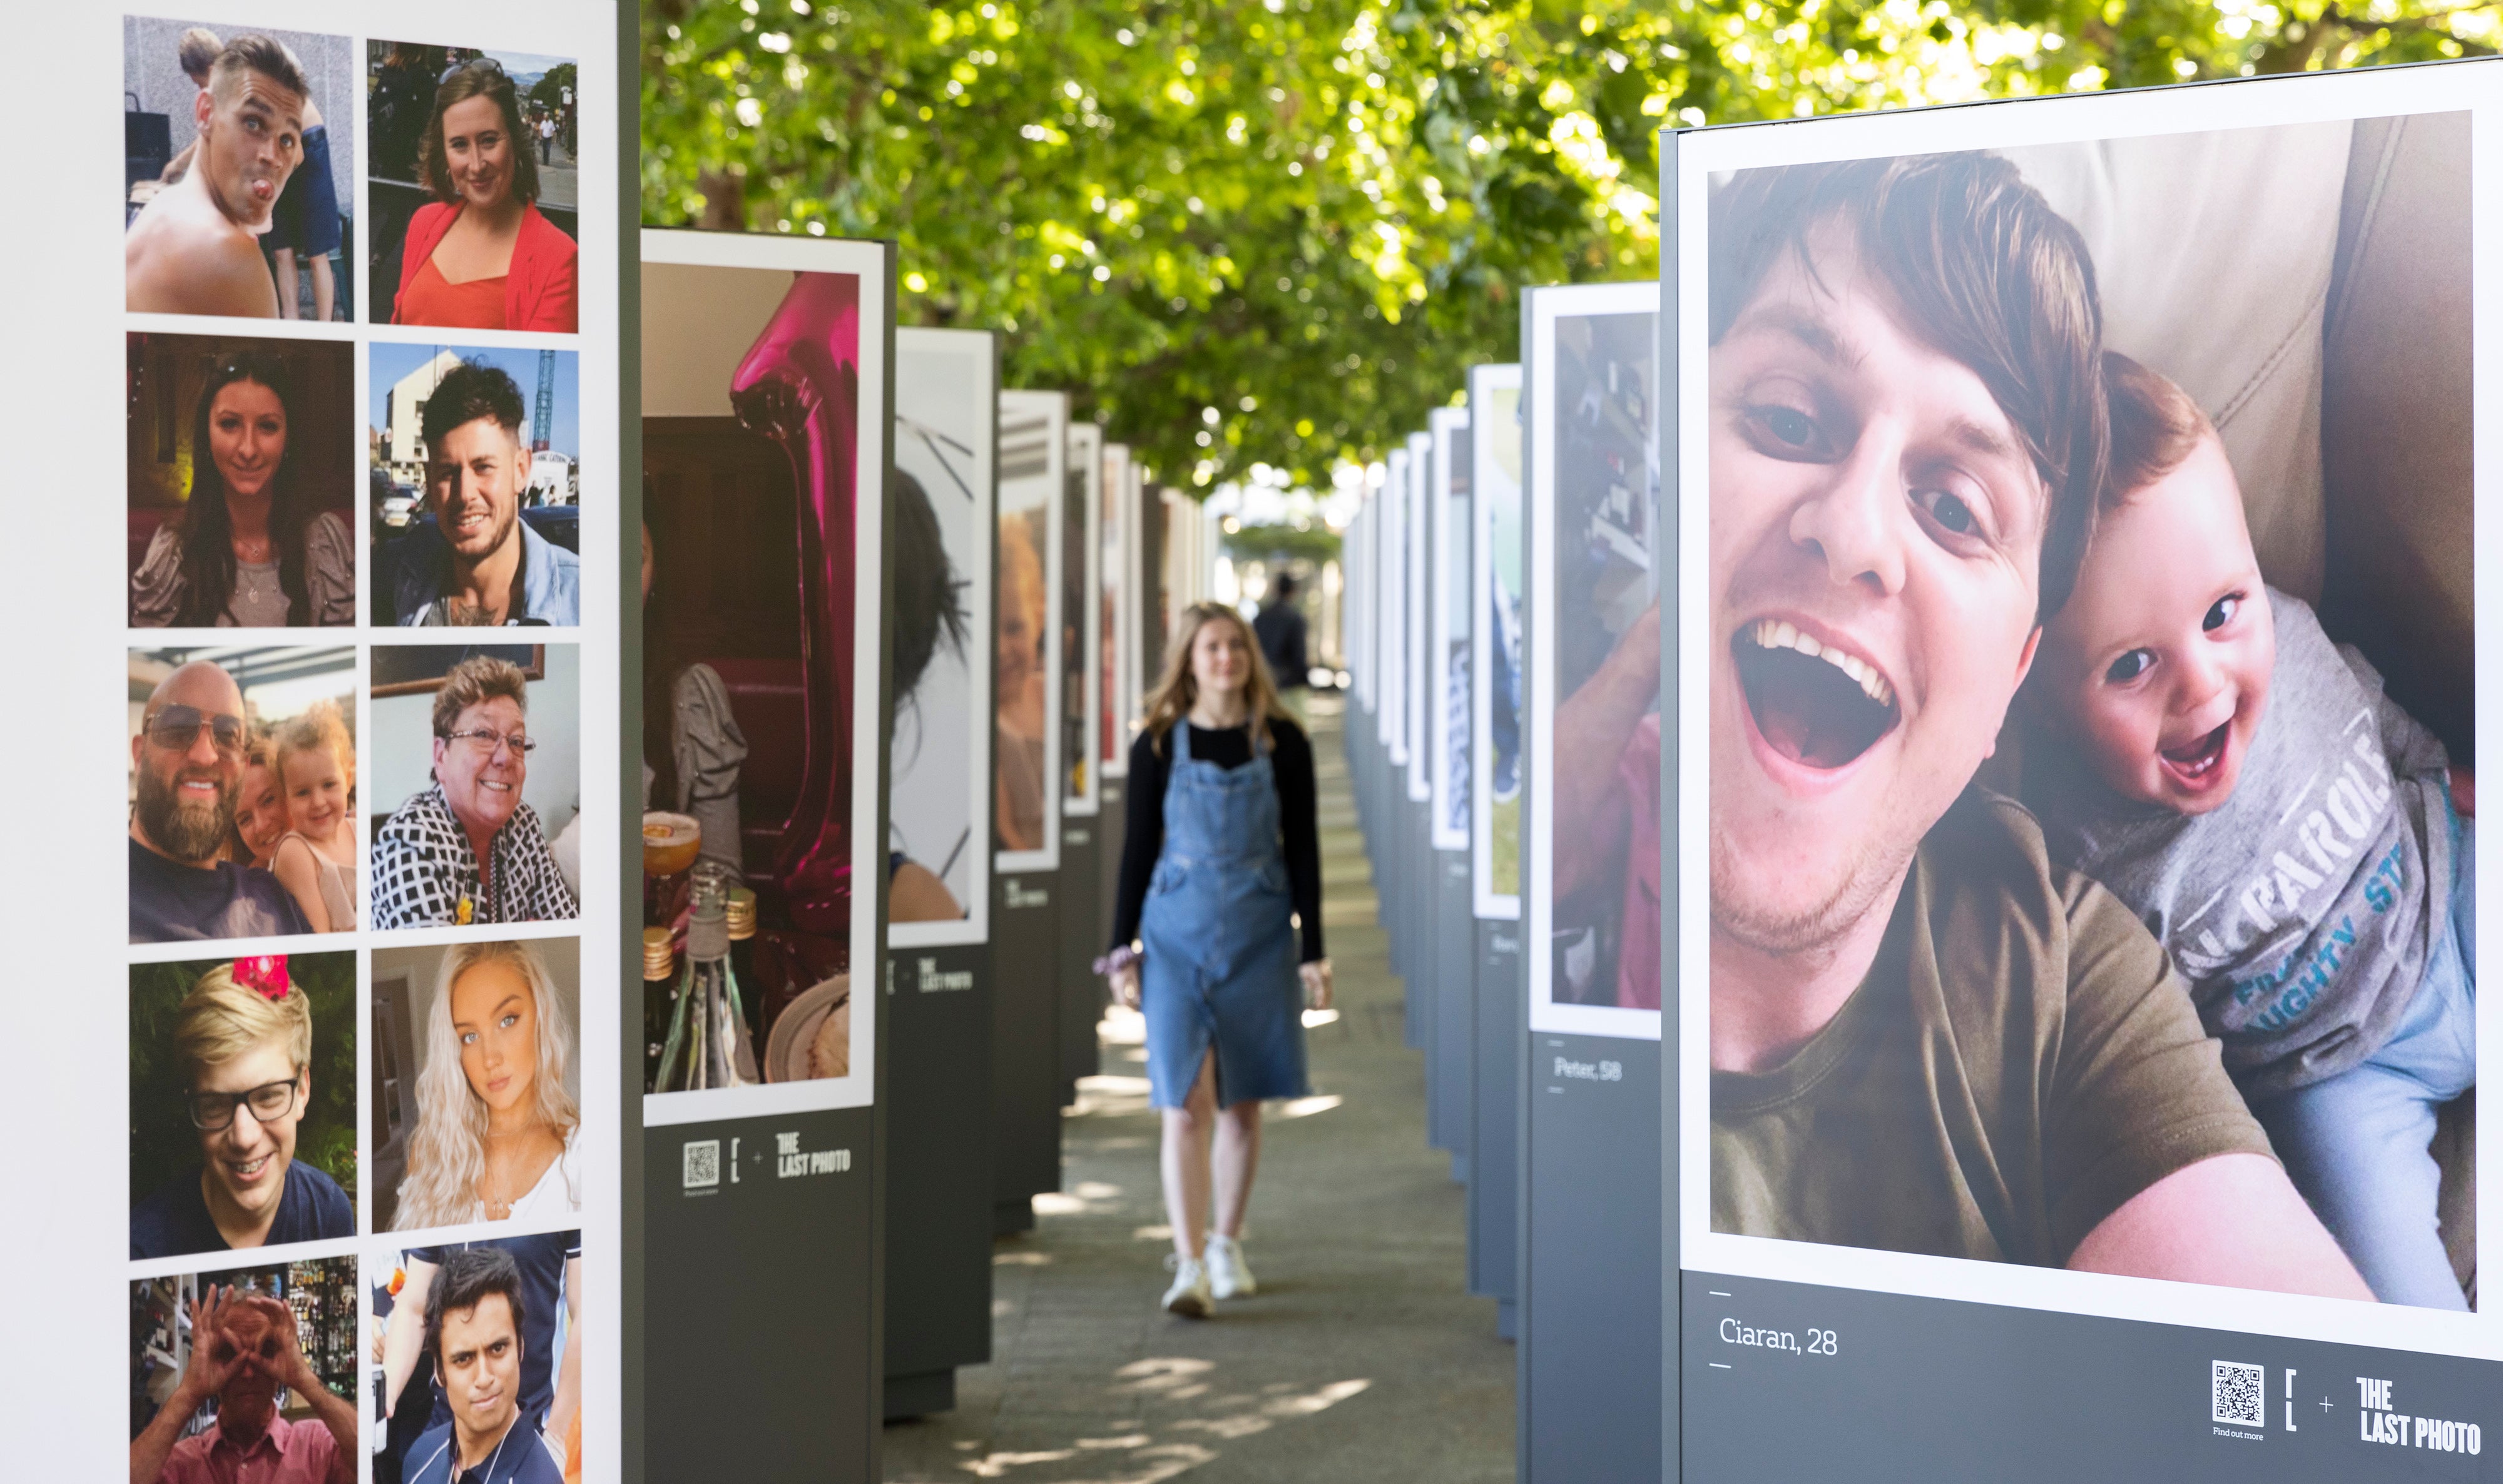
[{"x": 799, "y": 386}]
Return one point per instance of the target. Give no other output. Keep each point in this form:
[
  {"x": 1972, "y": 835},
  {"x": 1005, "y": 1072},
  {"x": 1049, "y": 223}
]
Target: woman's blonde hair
[
  {"x": 447, "y": 1150},
  {"x": 320, "y": 726},
  {"x": 1177, "y": 689},
  {"x": 220, "y": 1020}
]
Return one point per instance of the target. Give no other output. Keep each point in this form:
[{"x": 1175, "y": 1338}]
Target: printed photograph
[
  {"x": 243, "y": 793},
  {"x": 476, "y": 1062},
  {"x": 941, "y": 507},
  {"x": 474, "y": 486},
  {"x": 242, "y": 481},
  {"x": 1025, "y": 816},
  {"x": 1081, "y": 487},
  {"x": 246, "y": 1373},
  {"x": 479, "y": 1351},
  {"x": 1495, "y": 482},
  {"x": 1605, "y": 943},
  {"x": 1448, "y": 717},
  {"x": 753, "y": 432},
  {"x": 240, "y": 146},
  {"x": 473, "y": 184},
  {"x": 2092, "y": 707},
  {"x": 243, "y": 1104},
  {"x": 478, "y": 759}
]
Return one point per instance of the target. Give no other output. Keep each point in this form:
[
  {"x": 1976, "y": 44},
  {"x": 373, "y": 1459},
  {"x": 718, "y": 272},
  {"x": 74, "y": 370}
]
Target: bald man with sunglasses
[{"x": 187, "y": 766}]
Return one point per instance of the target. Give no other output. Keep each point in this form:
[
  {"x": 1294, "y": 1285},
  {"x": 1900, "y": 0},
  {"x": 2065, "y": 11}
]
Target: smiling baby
[{"x": 2199, "y": 747}]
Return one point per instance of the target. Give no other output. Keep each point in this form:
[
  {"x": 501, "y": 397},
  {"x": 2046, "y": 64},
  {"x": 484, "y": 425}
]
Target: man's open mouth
[
  {"x": 2196, "y": 762},
  {"x": 1817, "y": 706}
]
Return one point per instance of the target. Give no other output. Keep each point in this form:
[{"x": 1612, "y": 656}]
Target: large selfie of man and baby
[{"x": 2092, "y": 815}]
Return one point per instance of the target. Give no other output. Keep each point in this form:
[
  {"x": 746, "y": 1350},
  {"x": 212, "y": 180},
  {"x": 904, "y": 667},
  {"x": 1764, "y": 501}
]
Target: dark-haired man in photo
[
  {"x": 246, "y": 1356},
  {"x": 196, "y": 250},
  {"x": 549, "y": 1385},
  {"x": 187, "y": 767},
  {"x": 1925, "y": 1038},
  {"x": 480, "y": 563},
  {"x": 475, "y": 1314}
]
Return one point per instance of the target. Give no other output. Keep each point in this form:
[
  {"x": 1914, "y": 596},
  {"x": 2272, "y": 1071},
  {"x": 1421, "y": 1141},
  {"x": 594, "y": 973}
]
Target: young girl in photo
[{"x": 315, "y": 763}]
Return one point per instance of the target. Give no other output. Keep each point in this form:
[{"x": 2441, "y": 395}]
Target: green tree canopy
[{"x": 1280, "y": 230}]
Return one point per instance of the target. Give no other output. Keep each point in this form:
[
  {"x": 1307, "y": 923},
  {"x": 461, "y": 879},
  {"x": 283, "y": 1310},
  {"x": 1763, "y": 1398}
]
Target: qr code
[
  {"x": 2238, "y": 1393},
  {"x": 703, "y": 1162}
]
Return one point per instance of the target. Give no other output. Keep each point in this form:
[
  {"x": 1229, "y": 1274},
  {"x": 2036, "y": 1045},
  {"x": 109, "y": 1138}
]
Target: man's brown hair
[
  {"x": 2154, "y": 427},
  {"x": 1981, "y": 268},
  {"x": 479, "y": 78},
  {"x": 255, "y": 52},
  {"x": 478, "y": 678}
]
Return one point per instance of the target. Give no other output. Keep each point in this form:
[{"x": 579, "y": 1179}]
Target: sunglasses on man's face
[{"x": 177, "y": 729}]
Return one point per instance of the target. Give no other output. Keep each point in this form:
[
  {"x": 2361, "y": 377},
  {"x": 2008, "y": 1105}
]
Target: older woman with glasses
[
  {"x": 245, "y": 1037},
  {"x": 467, "y": 849}
]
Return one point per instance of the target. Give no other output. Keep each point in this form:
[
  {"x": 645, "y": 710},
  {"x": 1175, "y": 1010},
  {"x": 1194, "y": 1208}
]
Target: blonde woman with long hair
[
  {"x": 495, "y": 1128},
  {"x": 1220, "y": 857}
]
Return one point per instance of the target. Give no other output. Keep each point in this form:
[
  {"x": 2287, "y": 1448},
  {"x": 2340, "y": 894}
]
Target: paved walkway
[{"x": 1362, "y": 1358}]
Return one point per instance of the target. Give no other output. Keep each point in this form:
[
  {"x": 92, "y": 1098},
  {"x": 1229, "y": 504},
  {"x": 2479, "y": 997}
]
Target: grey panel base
[
  {"x": 920, "y": 1396},
  {"x": 756, "y": 1305},
  {"x": 1112, "y": 826},
  {"x": 1084, "y": 924},
  {"x": 1590, "y": 1363},
  {"x": 939, "y": 1182},
  {"x": 1026, "y": 1051},
  {"x": 1414, "y": 876},
  {"x": 1507, "y": 1320},
  {"x": 1495, "y": 1114},
  {"x": 1451, "y": 1081},
  {"x": 1938, "y": 1390}
]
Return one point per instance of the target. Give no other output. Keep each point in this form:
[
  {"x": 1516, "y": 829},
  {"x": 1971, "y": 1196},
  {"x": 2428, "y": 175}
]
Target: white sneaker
[
  {"x": 1188, "y": 1297},
  {"x": 1228, "y": 1276}
]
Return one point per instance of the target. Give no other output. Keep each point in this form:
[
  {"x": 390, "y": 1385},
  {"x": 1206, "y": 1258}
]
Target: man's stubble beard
[
  {"x": 1868, "y": 877},
  {"x": 182, "y": 832}
]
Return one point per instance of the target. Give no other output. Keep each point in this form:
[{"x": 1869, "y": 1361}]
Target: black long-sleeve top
[{"x": 1143, "y": 837}]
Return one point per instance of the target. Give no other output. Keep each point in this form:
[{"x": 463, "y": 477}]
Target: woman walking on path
[{"x": 1220, "y": 857}]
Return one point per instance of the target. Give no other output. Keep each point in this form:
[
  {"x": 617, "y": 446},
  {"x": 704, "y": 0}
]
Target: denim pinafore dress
[{"x": 1218, "y": 933}]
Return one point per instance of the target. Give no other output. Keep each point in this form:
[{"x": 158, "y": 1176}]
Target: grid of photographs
[{"x": 354, "y": 1058}]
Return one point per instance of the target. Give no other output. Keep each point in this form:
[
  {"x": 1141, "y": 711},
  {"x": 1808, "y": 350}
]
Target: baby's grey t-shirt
[{"x": 2299, "y": 909}]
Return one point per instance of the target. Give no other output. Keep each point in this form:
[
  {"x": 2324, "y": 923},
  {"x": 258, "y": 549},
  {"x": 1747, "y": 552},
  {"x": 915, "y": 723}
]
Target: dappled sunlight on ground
[
  {"x": 1361, "y": 1357},
  {"x": 1140, "y": 1455}
]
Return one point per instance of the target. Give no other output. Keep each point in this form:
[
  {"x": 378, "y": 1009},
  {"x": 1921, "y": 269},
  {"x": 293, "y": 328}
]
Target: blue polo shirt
[
  {"x": 551, "y": 579},
  {"x": 522, "y": 1457},
  {"x": 176, "y": 1221}
]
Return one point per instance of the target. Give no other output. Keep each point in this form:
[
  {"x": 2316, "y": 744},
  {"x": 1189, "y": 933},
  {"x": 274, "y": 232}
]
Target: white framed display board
[
  {"x": 256, "y": 1104},
  {"x": 1494, "y": 640},
  {"x": 1116, "y": 687},
  {"x": 764, "y": 338},
  {"x": 1391, "y": 606},
  {"x": 1082, "y": 620},
  {"x": 946, "y": 423},
  {"x": 1447, "y": 715},
  {"x": 1034, "y": 455},
  {"x": 1416, "y": 616},
  {"x": 1590, "y": 456},
  {"x": 2205, "y": 300}
]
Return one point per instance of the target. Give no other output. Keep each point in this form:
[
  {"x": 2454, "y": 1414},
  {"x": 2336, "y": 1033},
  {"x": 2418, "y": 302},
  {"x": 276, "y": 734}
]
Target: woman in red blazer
[{"x": 482, "y": 256}]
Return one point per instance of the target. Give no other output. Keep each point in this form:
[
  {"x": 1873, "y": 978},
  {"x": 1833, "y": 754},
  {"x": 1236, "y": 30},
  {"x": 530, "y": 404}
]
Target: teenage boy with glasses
[{"x": 245, "y": 1036}]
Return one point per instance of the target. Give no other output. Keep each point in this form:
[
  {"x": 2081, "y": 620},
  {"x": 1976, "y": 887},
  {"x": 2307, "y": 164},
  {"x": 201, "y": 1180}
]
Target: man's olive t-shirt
[{"x": 2021, "y": 1059}]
